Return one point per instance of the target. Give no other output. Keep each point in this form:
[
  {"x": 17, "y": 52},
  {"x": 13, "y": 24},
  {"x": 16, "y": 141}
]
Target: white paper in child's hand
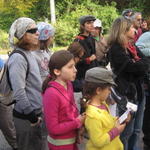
[
  {"x": 123, "y": 117},
  {"x": 132, "y": 107}
]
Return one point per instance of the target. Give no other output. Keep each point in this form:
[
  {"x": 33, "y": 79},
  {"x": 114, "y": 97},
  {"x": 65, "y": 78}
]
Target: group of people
[{"x": 46, "y": 114}]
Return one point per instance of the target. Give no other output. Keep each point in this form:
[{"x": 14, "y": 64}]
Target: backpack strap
[
  {"x": 25, "y": 57},
  {"x": 73, "y": 104},
  {"x": 28, "y": 66}
]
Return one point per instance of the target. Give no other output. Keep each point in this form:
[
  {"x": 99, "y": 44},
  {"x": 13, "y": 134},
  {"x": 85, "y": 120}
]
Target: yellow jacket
[{"x": 98, "y": 123}]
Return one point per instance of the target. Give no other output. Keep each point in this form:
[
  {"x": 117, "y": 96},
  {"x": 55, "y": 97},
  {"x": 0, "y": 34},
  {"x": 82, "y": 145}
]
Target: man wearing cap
[
  {"x": 88, "y": 42},
  {"x": 100, "y": 43}
]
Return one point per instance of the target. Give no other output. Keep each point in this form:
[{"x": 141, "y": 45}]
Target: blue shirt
[
  {"x": 1, "y": 63},
  {"x": 143, "y": 43}
]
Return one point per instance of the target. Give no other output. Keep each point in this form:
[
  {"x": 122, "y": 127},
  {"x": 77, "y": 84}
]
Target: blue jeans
[{"x": 130, "y": 137}]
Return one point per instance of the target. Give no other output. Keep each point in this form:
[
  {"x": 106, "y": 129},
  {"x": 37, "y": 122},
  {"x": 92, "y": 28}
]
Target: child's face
[
  {"x": 104, "y": 93},
  {"x": 68, "y": 72}
]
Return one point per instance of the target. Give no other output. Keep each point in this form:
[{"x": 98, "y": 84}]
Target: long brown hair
[
  {"x": 44, "y": 44},
  {"x": 25, "y": 44},
  {"x": 57, "y": 61},
  {"x": 117, "y": 33},
  {"x": 76, "y": 49},
  {"x": 22, "y": 43}
]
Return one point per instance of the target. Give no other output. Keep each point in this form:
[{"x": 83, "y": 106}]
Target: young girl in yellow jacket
[{"x": 103, "y": 129}]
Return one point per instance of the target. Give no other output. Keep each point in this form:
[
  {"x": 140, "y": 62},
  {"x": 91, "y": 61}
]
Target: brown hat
[{"x": 99, "y": 75}]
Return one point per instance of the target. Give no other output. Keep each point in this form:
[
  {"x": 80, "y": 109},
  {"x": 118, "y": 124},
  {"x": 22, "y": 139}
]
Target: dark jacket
[
  {"x": 129, "y": 80},
  {"x": 88, "y": 43}
]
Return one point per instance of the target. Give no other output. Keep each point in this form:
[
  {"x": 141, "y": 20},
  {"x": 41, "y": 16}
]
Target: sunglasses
[{"x": 32, "y": 31}]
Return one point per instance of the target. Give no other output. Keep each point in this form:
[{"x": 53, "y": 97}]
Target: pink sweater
[{"x": 60, "y": 113}]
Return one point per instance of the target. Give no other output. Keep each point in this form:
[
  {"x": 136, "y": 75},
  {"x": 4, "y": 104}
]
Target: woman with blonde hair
[{"x": 130, "y": 66}]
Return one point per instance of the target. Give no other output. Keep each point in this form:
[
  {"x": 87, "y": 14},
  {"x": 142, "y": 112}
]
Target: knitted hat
[
  {"x": 45, "y": 30},
  {"x": 19, "y": 28}
]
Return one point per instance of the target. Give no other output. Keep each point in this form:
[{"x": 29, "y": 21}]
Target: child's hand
[
  {"x": 80, "y": 135},
  {"x": 128, "y": 119},
  {"x": 92, "y": 57},
  {"x": 120, "y": 127},
  {"x": 82, "y": 118}
]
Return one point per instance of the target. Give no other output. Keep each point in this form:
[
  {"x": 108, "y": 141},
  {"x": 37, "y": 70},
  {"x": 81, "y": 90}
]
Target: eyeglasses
[{"x": 32, "y": 31}]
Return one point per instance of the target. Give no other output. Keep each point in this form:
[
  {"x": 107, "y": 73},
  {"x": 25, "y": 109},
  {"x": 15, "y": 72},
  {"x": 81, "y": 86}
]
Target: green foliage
[
  {"x": 67, "y": 24},
  {"x": 40, "y": 10},
  {"x": 4, "y": 40},
  {"x": 64, "y": 33},
  {"x": 7, "y": 17},
  {"x": 13, "y": 9},
  {"x": 141, "y": 6},
  {"x": 137, "y": 5},
  {"x": 67, "y": 13}
]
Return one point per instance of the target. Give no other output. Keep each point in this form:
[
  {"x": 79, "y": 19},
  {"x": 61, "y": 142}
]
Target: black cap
[{"x": 86, "y": 18}]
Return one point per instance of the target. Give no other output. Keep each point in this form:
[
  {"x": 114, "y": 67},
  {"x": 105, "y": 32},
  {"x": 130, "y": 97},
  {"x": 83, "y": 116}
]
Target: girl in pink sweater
[{"x": 61, "y": 114}]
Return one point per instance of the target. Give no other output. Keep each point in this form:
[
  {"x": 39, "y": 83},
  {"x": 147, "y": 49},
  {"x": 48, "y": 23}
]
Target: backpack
[{"x": 5, "y": 84}]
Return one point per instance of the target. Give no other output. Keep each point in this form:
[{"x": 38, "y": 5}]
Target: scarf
[
  {"x": 133, "y": 51},
  {"x": 19, "y": 28}
]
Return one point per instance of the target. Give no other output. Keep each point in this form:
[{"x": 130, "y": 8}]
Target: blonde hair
[{"x": 117, "y": 33}]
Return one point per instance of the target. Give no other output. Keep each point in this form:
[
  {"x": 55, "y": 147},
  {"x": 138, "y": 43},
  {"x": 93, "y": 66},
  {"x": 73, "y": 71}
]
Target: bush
[
  {"x": 10, "y": 10},
  {"x": 4, "y": 40},
  {"x": 67, "y": 24}
]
